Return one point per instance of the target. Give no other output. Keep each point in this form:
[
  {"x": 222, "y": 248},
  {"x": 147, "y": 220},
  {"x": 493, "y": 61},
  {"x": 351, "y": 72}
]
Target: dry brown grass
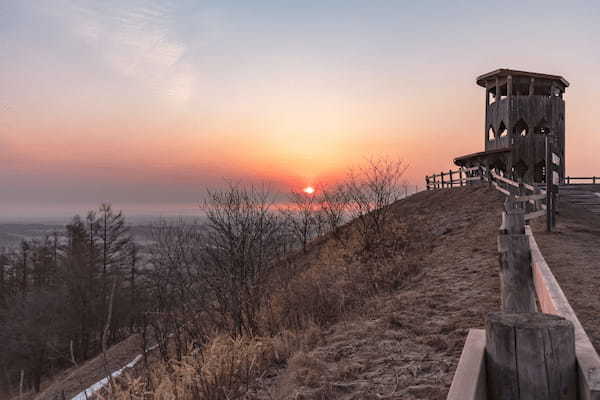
[{"x": 343, "y": 324}]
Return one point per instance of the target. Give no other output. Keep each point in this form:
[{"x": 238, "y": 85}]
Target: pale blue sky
[{"x": 145, "y": 102}]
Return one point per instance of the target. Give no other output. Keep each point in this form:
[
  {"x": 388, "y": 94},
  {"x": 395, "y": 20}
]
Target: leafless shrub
[
  {"x": 225, "y": 369},
  {"x": 308, "y": 370},
  {"x": 371, "y": 189},
  {"x": 303, "y": 217},
  {"x": 314, "y": 297},
  {"x": 242, "y": 245},
  {"x": 334, "y": 206},
  {"x": 177, "y": 293}
]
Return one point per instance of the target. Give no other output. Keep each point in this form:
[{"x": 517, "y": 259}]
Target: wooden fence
[
  {"x": 516, "y": 356},
  {"x": 532, "y": 301},
  {"x": 583, "y": 180},
  {"x": 532, "y": 198},
  {"x": 459, "y": 177}
]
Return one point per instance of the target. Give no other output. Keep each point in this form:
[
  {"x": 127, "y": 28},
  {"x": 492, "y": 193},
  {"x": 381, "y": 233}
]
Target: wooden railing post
[
  {"x": 442, "y": 177},
  {"x": 517, "y": 290},
  {"x": 451, "y": 178},
  {"x": 460, "y": 176},
  {"x": 530, "y": 356}
]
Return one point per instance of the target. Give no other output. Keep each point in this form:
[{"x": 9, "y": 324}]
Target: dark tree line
[{"x": 54, "y": 296}]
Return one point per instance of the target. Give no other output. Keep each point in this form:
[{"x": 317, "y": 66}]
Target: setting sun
[{"x": 309, "y": 190}]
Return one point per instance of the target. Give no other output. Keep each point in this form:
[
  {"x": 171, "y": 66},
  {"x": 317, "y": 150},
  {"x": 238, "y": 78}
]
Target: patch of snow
[{"x": 103, "y": 382}]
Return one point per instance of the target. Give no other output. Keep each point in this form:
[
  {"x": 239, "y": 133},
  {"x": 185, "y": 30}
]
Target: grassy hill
[{"x": 347, "y": 324}]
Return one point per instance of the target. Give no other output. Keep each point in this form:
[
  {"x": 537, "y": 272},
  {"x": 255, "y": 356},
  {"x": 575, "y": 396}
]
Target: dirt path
[
  {"x": 573, "y": 254},
  {"x": 407, "y": 345},
  {"x": 74, "y": 380}
]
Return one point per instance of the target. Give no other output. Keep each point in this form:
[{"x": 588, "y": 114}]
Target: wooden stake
[
  {"x": 548, "y": 185},
  {"x": 530, "y": 356},
  {"x": 516, "y": 279}
]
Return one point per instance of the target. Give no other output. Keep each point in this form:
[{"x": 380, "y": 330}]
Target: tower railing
[{"x": 453, "y": 178}]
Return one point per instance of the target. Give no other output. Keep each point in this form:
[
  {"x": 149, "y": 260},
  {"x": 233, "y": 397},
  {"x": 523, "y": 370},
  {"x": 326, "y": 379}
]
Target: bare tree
[
  {"x": 303, "y": 218},
  {"x": 371, "y": 190},
  {"x": 334, "y": 207},
  {"x": 242, "y": 243},
  {"x": 175, "y": 293}
]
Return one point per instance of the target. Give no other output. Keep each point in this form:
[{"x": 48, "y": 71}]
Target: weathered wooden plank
[
  {"x": 552, "y": 300},
  {"x": 535, "y": 214},
  {"x": 501, "y": 190},
  {"x": 517, "y": 291},
  {"x": 530, "y": 356},
  {"x": 469, "y": 382},
  {"x": 530, "y": 187},
  {"x": 473, "y": 178},
  {"x": 529, "y": 197},
  {"x": 505, "y": 180}
]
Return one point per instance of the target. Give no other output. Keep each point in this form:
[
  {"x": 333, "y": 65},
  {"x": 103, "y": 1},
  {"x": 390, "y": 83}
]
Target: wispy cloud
[{"x": 135, "y": 40}]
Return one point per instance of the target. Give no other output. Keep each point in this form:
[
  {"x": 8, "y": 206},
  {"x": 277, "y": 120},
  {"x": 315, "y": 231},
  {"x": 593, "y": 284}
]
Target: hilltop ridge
[{"x": 387, "y": 324}]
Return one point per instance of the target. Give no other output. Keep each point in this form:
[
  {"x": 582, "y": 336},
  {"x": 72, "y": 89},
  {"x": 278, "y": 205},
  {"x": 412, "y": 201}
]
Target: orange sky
[{"x": 138, "y": 102}]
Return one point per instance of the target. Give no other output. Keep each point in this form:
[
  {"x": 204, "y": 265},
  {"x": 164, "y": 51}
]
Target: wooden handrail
[
  {"x": 594, "y": 179},
  {"x": 505, "y": 180},
  {"x": 459, "y": 177}
]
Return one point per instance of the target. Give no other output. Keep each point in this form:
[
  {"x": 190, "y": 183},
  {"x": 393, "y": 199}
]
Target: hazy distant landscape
[
  {"x": 13, "y": 230},
  {"x": 270, "y": 200},
  {"x": 11, "y": 235}
]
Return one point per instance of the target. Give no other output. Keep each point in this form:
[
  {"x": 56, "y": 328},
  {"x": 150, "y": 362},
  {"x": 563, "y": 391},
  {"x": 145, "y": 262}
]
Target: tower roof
[{"x": 503, "y": 72}]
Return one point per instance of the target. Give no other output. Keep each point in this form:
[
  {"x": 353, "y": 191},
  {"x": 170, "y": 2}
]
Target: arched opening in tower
[
  {"x": 502, "y": 131},
  {"x": 542, "y": 127},
  {"x": 491, "y": 134},
  {"x": 520, "y": 128}
]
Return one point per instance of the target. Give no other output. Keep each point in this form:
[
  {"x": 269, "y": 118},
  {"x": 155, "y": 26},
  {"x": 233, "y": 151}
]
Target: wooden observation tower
[{"x": 523, "y": 110}]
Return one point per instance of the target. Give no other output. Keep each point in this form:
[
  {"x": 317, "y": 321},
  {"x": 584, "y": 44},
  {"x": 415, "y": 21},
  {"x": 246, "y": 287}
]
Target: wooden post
[
  {"x": 531, "y": 83},
  {"x": 427, "y": 182},
  {"x": 554, "y": 206},
  {"x": 530, "y": 356},
  {"x": 548, "y": 185},
  {"x": 451, "y": 178},
  {"x": 516, "y": 279},
  {"x": 460, "y": 176},
  {"x": 593, "y": 180},
  {"x": 498, "y": 94}
]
